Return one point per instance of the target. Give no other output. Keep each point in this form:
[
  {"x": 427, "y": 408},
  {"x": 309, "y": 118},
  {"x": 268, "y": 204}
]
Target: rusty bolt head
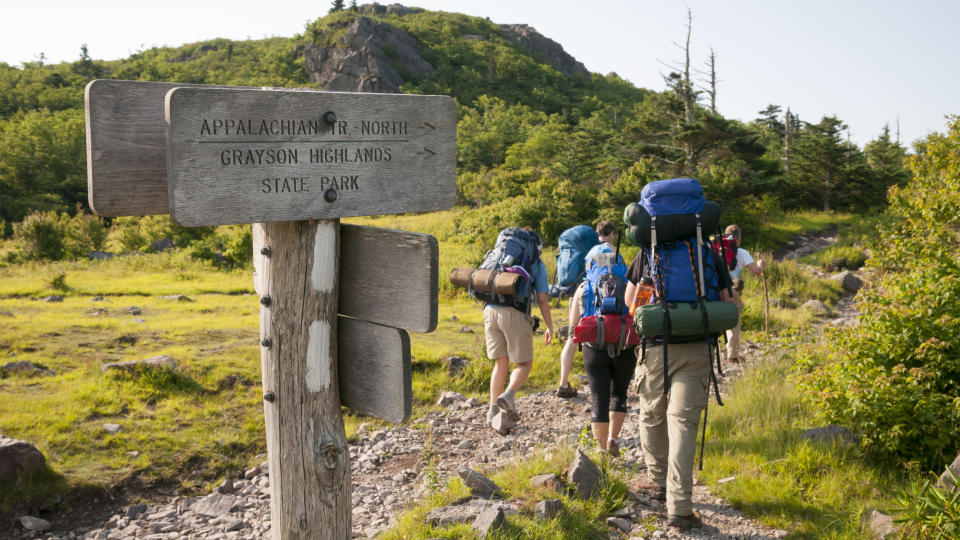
[
  {"x": 330, "y": 117},
  {"x": 265, "y": 251},
  {"x": 266, "y": 342},
  {"x": 330, "y": 195},
  {"x": 265, "y": 301},
  {"x": 269, "y": 396}
]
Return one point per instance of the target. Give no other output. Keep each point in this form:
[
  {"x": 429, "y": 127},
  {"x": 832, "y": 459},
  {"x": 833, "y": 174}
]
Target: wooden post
[{"x": 295, "y": 264}]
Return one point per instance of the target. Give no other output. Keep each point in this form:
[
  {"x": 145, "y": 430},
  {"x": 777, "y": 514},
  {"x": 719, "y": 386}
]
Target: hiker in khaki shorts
[
  {"x": 509, "y": 337},
  {"x": 669, "y": 421}
]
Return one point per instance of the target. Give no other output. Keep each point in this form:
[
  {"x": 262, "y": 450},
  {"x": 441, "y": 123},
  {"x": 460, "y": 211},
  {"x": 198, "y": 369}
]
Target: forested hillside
[{"x": 540, "y": 140}]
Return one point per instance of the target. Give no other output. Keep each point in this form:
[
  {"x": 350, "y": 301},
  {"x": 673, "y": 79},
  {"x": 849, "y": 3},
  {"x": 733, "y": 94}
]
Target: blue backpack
[
  {"x": 606, "y": 279},
  {"x": 686, "y": 302},
  {"x": 572, "y": 248},
  {"x": 517, "y": 251}
]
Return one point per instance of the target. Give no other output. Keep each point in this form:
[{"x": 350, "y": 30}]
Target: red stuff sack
[{"x": 586, "y": 331}]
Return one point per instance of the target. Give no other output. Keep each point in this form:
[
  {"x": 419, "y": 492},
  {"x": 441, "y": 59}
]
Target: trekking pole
[
  {"x": 703, "y": 434},
  {"x": 766, "y": 303}
]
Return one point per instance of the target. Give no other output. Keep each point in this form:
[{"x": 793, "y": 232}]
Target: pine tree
[{"x": 336, "y": 5}]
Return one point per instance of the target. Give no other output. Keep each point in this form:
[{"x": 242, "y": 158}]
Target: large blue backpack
[
  {"x": 686, "y": 302},
  {"x": 517, "y": 251},
  {"x": 572, "y": 248}
]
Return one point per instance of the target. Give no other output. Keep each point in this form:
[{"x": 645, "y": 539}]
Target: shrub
[
  {"x": 55, "y": 236},
  {"x": 928, "y": 511},
  {"x": 897, "y": 377},
  {"x": 85, "y": 233},
  {"x": 139, "y": 233},
  {"x": 41, "y": 235},
  {"x": 229, "y": 246}
]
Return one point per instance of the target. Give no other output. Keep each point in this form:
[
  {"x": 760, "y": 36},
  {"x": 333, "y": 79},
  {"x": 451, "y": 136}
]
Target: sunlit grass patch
[{"x": 813, "y": 489}]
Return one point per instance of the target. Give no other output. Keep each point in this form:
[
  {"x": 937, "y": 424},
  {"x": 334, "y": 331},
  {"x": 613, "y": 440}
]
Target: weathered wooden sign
[
  {"x": 389, "y": 277},
  {"x": 368, "y": 355},
  {"x": 244, "y": 156},
  {"x": 335, "y": 301},
  {"x": 127, "y": 147}
]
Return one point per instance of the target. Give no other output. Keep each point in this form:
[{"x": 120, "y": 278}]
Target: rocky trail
[{"x": 393, "y": 468}]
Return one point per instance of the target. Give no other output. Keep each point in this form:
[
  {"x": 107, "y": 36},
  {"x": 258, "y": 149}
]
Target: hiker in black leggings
[{"x": 609, "y": 377}]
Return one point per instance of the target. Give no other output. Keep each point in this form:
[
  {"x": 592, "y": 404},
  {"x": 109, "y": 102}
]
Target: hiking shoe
[
  {"x": 657, "y": 493},
  {"x": 506, "y": 405},
  {"x": 490, "y": 415},
  {"x": 566, "y": 391},
  {"x": 613, "y": 447},
  {"x": 684, "y": 522}
]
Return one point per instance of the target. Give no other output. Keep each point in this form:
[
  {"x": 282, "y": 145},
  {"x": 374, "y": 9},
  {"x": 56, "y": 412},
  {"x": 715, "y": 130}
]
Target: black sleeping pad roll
[{"x": 671, "y": 228}]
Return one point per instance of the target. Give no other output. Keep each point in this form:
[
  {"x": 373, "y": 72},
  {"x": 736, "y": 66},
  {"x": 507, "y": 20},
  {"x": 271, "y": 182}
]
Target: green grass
[
  {"x": 580, "y": 518},
  {"x": 193, "y": 427},
  {"x": 814, "y": 490}
]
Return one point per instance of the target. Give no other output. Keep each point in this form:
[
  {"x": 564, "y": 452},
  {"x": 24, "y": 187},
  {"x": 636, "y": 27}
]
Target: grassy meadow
[{"x": 195, "y": 426}]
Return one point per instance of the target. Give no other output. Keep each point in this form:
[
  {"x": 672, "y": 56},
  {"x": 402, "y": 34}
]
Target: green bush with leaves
[
  {"x": 53, "y": 235},
  {"x": 896, "y": 379},
  {"x": 130, "y": 234},
  {"x": 928, "y": 510}
]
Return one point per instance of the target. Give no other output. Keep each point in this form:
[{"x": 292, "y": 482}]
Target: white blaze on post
[
  {"x": 324, "y": 253},
  {"x": 318, "y": 357}
]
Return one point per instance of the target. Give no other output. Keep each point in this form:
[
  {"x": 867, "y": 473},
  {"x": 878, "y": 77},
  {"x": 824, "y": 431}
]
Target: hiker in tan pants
[{"x": 668, "y": 422}]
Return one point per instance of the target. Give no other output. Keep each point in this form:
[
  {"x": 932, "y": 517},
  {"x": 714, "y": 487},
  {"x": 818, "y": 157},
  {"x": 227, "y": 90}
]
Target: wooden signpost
[{"x": 335, "y": 301}]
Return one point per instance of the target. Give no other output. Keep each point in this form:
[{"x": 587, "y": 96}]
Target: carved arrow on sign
[
  {"x": 428, "y": 125},
  {"x": 427, "y": 151}
]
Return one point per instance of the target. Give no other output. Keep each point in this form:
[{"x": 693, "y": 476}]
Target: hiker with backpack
[
  {"x": 607, "y": 336},
  {"x": 605, "y": 235},
  {"x": 691, "y": 304},
  {"x": 508, "y": 328},
  {"x": 738, "y": 259}
]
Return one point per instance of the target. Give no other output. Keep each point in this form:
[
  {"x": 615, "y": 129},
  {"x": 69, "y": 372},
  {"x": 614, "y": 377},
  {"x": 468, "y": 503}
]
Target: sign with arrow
[{"x": 243, "y": 155}]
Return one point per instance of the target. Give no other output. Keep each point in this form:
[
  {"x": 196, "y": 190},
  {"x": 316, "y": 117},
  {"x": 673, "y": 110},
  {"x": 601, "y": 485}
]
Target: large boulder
[
  {"x": 946, "y": 479},
  {"x": 480, "y": 485},
  {"x": 162, "y": 361},
  {"x": 829, "y": 434},
  {"x": 360, "y": 63},
  {"x": 848, "y": 281},
  {"x": 585, "y": 475},
  {"x": 539, "y": 45},
  {"x": 19, "y": 457}
]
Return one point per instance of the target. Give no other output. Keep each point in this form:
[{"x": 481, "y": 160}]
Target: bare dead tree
[
  {"x": 711, "y": 75},
  {"x": 679, "y": 81},
  {"x": 787, "y": 131}
]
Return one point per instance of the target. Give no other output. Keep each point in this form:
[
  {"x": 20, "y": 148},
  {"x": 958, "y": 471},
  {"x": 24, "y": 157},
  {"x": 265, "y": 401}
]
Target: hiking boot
[
  {"x": 657, "y": 493},
  {"x": 566, "y": 391},
  {"x": 684, "y": 522},
  {"x": 506, "y": 405},
  {"x": 490, "y": 415},
  {"x": 613, "y": 447}
]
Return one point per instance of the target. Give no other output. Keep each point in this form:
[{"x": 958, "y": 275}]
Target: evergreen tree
[
  {"x": 336, "y": 5},
  {"x": 885, "y": 158}
]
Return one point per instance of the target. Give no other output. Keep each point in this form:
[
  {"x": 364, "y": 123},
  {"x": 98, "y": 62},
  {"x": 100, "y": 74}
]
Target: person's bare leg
[
  {"x": 616, "y": 423},
  {"x": 518, "y": 377},
  {"x": 566, "y": 361},
  {"x": 600, "y": 432},
  {"x": 498, "y": 377}
]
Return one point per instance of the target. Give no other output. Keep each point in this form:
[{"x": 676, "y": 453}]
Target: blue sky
[{"x": 868, "y": 62}]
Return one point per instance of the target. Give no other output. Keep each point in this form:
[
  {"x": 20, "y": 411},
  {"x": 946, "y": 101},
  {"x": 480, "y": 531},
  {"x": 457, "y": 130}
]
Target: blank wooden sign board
[{"x": 336, "y": 302}]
